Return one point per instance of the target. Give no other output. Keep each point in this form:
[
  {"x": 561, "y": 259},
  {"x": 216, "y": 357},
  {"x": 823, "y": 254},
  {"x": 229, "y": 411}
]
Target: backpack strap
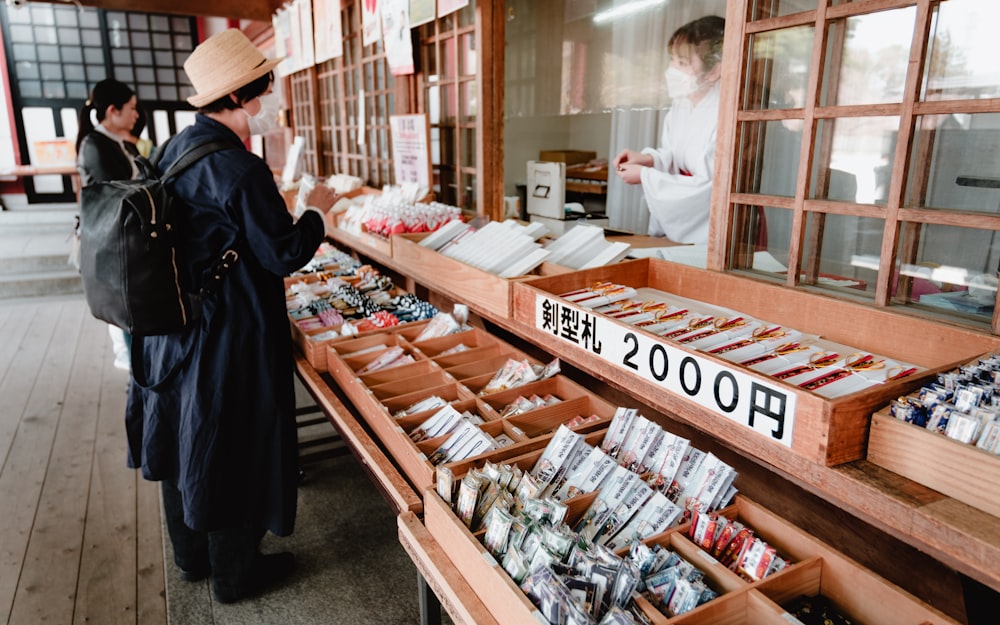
[{"x": 191, "y": 156}]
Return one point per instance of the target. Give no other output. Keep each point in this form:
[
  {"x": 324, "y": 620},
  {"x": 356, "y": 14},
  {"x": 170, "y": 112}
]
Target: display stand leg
[
  {"x": 430, "y": 607},
  {"x": 981, "y": 602}
]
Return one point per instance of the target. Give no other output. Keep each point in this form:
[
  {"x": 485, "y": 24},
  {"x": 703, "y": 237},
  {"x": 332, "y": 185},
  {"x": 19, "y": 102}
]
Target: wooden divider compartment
[
  {"x": 960, "y": 471},
  {"x": 815, "y": 569},
  {"x": 410, "y": 385},
  {"x": 394, "y": 374},
  {"x": 464, "y": 283},
  {"x": 488, "y": 367},
  {"x": 826, "y": 431},
  {"x": 475, "y": 406},
  {"x": 313, "y": 350},
  {"x": 470, "y": 355},
  {"x": 472, "y": 338}
]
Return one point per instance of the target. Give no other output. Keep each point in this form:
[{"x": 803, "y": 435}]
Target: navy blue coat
[{"x": 223, "y": 429}]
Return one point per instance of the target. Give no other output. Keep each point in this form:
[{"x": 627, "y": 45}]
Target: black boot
[
  {"x": 239, "y": 571},
  {"x": 190, "y": 547}
]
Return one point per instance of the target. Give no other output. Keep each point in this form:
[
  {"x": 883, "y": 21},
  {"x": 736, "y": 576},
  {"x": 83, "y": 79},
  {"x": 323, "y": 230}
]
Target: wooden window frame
[{"x": 730, "y": 253}]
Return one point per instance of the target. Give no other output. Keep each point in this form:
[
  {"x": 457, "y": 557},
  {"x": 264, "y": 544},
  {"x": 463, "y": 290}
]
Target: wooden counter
[{"x": 957, "y": 535}]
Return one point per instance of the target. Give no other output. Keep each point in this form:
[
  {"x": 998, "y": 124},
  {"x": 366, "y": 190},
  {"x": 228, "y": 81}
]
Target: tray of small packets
[
  {"x": 631, "y": 524},
  {"x": 800, "y": 371},
  {"x": 444, "y": 391},
  {"x": 946, "y": 434},
  {"x": 354, "y": 299}
]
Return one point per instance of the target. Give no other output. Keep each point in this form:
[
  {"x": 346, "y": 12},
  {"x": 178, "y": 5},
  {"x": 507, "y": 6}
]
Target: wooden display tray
[
  {"x": 826, "y": 431},
  {"x": 815, "y": 569},
  {"x": 482, "y": 291},
  {"x": 962, "y": 472},
  {"x": 315, "y": 351},
  {"x": 379, "y": 395}
]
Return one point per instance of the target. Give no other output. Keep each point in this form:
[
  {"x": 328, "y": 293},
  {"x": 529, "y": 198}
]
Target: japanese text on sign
[{"x": 764, "y": 408}]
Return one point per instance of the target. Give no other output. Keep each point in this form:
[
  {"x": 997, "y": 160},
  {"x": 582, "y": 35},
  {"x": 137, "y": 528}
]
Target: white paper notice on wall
[
  {"x": 288, "y": 174},
  {"x": 547, "y": 189},
  {"x": 362, "y": 126}
]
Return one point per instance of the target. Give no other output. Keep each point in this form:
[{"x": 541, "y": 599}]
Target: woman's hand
[
  {"x": 630, "y": 173},
  {"x": 322, "y": 197},
  {"x": 631, "y": 157}
]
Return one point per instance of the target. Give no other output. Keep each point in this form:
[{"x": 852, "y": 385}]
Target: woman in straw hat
[{"x": 220, "y": 434}]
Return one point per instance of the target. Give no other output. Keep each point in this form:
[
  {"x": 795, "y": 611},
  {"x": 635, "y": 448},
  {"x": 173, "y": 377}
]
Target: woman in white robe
[{"x": 676, "y": 178}]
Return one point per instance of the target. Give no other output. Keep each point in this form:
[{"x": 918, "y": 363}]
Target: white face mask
[
  {"x": 266, "y": 118},
  {"x": 679, "y": 84}
]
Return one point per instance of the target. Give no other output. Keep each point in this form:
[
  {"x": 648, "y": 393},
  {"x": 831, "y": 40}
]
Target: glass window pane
[
  {"x": 468, "y": 147},
  {"x": 773, "y": 162},
  {"x": 137, "y": 21},
  {"x": 91, "y": 38},
  {"x": 948, "y": 268},
  {"x": 51, "y": 71},
  {"x": 467, "y": 44},
  {"x": 52, "y": 89},
  {"x": 88, "y": 18},
  {"x": 24, "y": 52},
  {"x": 162, "y": 41},
  {"x": 866, "y": 58},
  {"x": 146, "y": 92},
  {"x": 962, "y": 50},
  {"x": 763, "y": 234},
  {"x": 164, "y": 58},
  {"x": 846, "y": 251},
  {"x": 762, "y": 9},
  {"x": 853, "y": 158},
  {"x": 125, "y": 74},
  {"x": 21, "y": 33},
  {"x": 72, "y": 55},
  {"x": 121, "y": 56},
  {"x": 77, "y": 90},
  {"x": 27, "y": 70},
  {"x": 145, "y": 74},
  {"x": 46, "y": 34},
  {"x": 95, "y": 73},
  {"x": 779, "y": 68},
  {"x": 139, "y": 39},
  {"x": 66, "y": 17},
  {"x": 69, "y": 37},
  {"x": 142, "y": 57},
  {"x": 30, "y": 88},
  {"x": 448, "y": 102},
  {"x": 953, "y": 163},
  {"x": 468, "y": 101},
  {"x": 74, "y": 72},
  {"x": 48, "y": 53},
  {"x": 159, "y": 22}
]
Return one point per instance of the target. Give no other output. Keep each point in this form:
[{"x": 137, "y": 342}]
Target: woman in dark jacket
[
  {"x": 101, "y": 151},
  {"x": 219, "y": 431},
  {"x": 102, "y": 154}
]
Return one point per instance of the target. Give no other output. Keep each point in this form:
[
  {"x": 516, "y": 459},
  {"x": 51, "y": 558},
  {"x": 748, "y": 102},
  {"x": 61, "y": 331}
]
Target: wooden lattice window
[
  {"x": 326, "y": 109},
  {"x": 861, "y": 157},
  {"x": 449, "y": 88}
]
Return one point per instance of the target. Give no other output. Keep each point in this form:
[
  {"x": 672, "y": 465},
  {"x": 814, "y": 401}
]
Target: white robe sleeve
[{"x": 678, "y": 187}]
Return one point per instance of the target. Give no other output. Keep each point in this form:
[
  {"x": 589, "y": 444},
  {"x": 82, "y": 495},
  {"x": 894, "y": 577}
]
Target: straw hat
[{"x": 222, "y": 64}]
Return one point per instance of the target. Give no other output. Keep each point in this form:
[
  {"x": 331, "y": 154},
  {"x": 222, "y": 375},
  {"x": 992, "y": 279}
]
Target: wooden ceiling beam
[{"x": 260, "y": 10}]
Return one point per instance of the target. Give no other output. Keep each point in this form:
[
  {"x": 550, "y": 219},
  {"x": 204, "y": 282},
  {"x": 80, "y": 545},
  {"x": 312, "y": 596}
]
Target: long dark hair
[{"x": 108, "y": 92}]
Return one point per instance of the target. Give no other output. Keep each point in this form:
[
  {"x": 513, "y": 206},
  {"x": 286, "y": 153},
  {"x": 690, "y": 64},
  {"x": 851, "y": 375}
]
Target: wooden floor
[{"x": 81, "y": 539}]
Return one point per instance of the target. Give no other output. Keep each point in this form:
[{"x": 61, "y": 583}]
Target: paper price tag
[{"x": 759, "y": 405}]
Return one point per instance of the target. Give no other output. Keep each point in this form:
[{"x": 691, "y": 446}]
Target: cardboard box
[{"x": 570, "y": 157}]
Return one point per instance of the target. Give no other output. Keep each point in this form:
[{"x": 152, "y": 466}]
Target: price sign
[{"x": 765, "y": 408}]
